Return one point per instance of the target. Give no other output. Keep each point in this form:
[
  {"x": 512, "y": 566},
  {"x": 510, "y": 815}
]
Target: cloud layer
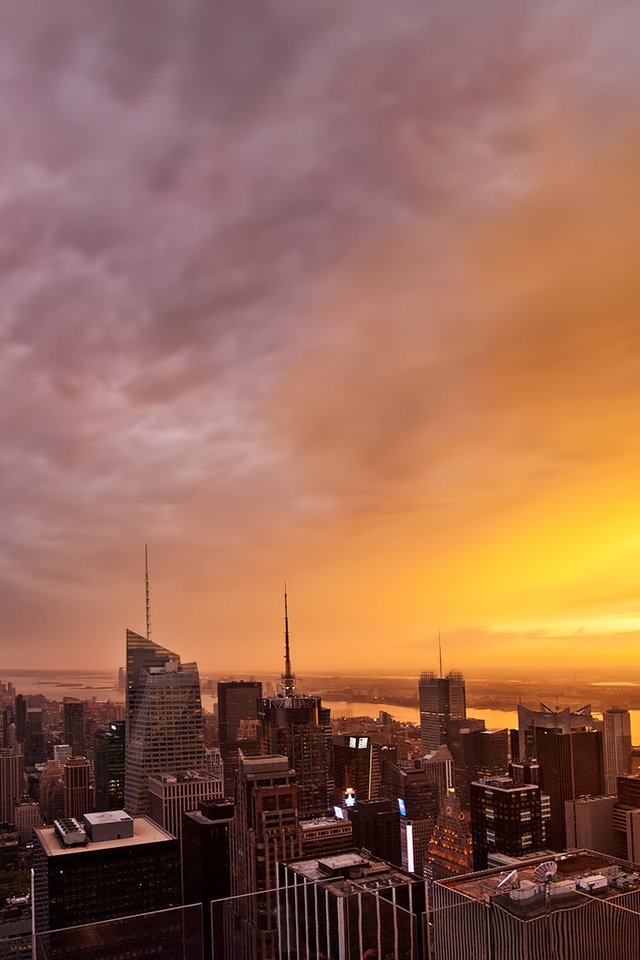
[{"x": 339, "y": 292}]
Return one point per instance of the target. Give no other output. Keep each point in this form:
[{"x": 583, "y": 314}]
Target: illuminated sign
[
  {"x": 363, "y": 743},
  {"x": 352, "y": 742},
  {"x": 349, "y": 797},
  {"x": 402, "y": 807},
  {"x": 339, "y": 812}
]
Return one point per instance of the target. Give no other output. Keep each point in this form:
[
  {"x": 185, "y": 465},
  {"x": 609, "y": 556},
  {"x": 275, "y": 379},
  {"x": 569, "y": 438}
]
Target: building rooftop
[
  {"x": 358, "y": 869},
  {"x": 526, "y": 899},
  {"x": 144, "y": 831},
  {"x": 273, "y": 764},
  {"x": 324, "y": 823},
  {"x": 186, "y": 776},
  {"x": 107, "y": 816}
]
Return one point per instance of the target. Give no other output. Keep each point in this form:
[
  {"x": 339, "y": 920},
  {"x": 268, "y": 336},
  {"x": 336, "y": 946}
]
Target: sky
[{"x": 339, "y": 292}]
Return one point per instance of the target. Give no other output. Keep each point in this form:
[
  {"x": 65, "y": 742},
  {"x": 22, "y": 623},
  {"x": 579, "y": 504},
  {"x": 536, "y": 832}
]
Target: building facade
[
  {"x": 171, "y": 795},
  {"x": 441, "y": 700},
  {"x": 164, "y": 723}
]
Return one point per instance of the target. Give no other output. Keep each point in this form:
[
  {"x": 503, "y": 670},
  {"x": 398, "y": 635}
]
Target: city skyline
[{"x": 400, "y": 368}]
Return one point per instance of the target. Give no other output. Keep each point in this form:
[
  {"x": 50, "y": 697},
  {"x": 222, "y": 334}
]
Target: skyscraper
[
  {"x": 73, "y": 719},
  {"x": 75, "y": 778},
  {"x": 477, "y": 754},
  {"x": 164, "y": 724},
  {"x": 570, "y": 767},
  {"x": 34, "y": 749},
  {"x": 206, "y": 858},
  {"x": 11, "y": 784},
  {"x": 109, "y": 766},
  {"x": 506, "y": 817},
  {"x": 418, "y": 802},
  {"x": 617, "y": 746},
  {"x": 299, "y": 727},
  {"x": 20, "y": 718},
  {"x": 450, "y": 849},
  {"x": 441, "y": 700},
  {"x": 237, "y": 713},
  {"x": 123, "y": 867},
  {"x": 265, "y": 831}
]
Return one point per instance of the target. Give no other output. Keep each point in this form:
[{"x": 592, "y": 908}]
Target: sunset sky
[{"x": 342, "y": 292}]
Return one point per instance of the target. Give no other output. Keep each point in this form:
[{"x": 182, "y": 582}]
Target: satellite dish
[
  {"x": 511, "y": 878},
  {"x": 545, "y": 872}
]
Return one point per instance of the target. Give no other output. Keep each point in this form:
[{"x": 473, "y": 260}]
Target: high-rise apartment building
[
  {"x": 110, "y": 766},
  {"x": 77, "y": 787},
  {"x": 617, "y": 746},
  {"x": 164, "y": 724},
  {"x": 299, "y": 727},
  {"x": 171, "y": 795},
  {"x": 237, "y": 725},
  {"x": 11, "y": 781},
  {"x": 507, "y": 817},
  {"x": 73, "y": 725},
  {"x": 441, "y": 700}
]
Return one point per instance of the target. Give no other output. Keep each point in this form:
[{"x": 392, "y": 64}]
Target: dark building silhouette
[
  {"x": 418, "y": 802},
  {"x": 237, "y": 725},
  {"x": 110, "y": 766},
  {"x": 73, "y": 721},
  {"x": 34, "y": 745},
  {"x": 477, "y": 753},
  {"x": 21, "y": 718},
  {"x": 441, "y": 699},
  {"x": 570, "y": 767},
  {"x": 206, "y": 858},
  {"x": 129, "y": 867},
  {"x": 376, "y": 827}
]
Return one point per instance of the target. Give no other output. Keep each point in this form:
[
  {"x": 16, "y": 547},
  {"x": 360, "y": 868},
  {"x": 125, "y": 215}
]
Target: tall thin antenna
[
  {"x": 146, "y": 590},
  {"x": 288, "y": 677},
  {"x": 440, "y": 652}
]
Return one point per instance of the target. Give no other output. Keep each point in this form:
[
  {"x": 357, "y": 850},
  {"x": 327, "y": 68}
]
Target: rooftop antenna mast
[
  {"x": 288, "y": 678},
  {"x": 146, "y": 590},
  {"x": 440, "y": 652}
]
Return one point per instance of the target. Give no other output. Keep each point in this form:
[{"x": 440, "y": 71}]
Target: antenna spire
[
  {"x": 440, "y": 652},
  {"x": 146, "y": 590},
  {"x": 288, "y": 677}
]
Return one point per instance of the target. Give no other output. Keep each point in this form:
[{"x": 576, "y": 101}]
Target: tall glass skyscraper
[
  {"x": 441, "y": 699},
  {"x": 164, "y": 723}
]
